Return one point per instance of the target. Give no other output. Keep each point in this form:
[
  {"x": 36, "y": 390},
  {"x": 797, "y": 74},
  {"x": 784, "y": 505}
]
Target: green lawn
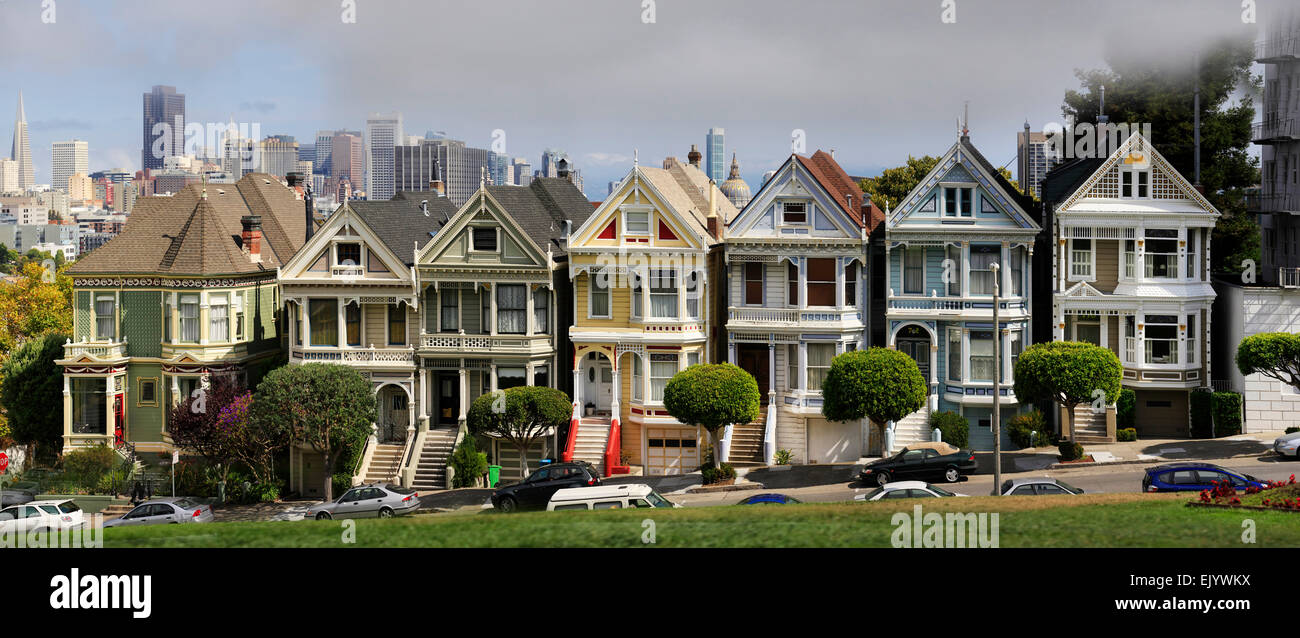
[{"x": 1087, "y": 521}]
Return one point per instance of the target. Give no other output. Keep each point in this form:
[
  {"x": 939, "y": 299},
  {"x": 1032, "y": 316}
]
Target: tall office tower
[
  {"x": 162, "y": 105},
  {"x": 461, "y": 167},
  {"x": 521, "y": 171},
  {"x": 715, "y": 155},
  {"x": 8, "y": 176},
  {"x": 549, "y": 158},
  {"x": 238, "y": 154},
  {"x": 499, "y": 168},
  {"x": 80, "y": 188},
  {"x": 22, "y": 149},
  {"x": 383, "y": 134},
  {"x": 322, "y": 159},
  {"x": 346, "y": 161},
  {"x": 277, "y": 155},
  {"x": 414, "y": 166},
  {"x": 307, "y": 153},
  {"x": 1034, "y": 159},
  {"x": 68, "y": 159}
]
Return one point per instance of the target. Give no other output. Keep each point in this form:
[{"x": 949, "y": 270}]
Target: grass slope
[{"x": 1103, "y": 520}]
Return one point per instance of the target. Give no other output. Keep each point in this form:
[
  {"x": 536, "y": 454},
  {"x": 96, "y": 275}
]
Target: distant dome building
[{"x": 735, "y": 188}]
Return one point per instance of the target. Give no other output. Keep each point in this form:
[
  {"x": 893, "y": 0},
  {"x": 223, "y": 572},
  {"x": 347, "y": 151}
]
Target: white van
[{"x": 607, "y": 497}]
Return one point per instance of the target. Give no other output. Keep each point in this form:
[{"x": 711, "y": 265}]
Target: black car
[
  {"x": 921, "y": 460},
  {"x": 535, "y": 491}
]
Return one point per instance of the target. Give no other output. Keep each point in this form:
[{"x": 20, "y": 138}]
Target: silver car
[
  {"x": 165, "y": 511},
  {"x": 382, "y": 500},
  {"x": 1287, "y": 444}
]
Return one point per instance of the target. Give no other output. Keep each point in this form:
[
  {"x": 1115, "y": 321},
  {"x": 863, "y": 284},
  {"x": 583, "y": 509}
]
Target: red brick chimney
[{"x": 251, "y": 238}]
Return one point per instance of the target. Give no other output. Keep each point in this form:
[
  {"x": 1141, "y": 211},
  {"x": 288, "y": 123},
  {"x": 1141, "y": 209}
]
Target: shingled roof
[
  {"x": 542, "y": 207},
  {"x": 188, "y": 235},
  {"x": 401, "y": 223},
  {"x": 832, "y": 177}
]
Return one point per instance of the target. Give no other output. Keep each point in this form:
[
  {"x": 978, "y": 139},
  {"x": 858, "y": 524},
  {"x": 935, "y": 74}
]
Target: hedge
[
  {"x": 954, "y": 427},
  {"x": 1126, "y": 409},
  {"x": 1202, "y": 408},
  {"x": 1227, "y": 413},
  {"x": 1030, "y": 429}
]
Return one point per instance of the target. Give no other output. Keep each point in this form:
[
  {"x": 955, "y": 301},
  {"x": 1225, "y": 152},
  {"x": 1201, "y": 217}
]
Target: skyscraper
[
  {"x": 1034, "y": 159},
  {"x": 162, "y": 105},
  {"x": 346, "y": 161},
  {"x": 277, "y": 155},
  {"x": 68, "y": 159},
  {"x": 383, "y": 134},
  {"x": 715, "y": 155},
  {"x": 22, "y": 149},
  {"x": 521, "y": 171},
  {"x": 549, "y": 158},
  {"x": 323, "y": 152},
  {"x": 461, "y": 167}
]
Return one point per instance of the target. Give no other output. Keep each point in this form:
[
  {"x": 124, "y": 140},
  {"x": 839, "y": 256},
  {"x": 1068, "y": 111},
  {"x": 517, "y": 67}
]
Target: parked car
[
  {"x": 17, "y": 494},
  {"x": 905, "y": 489},
  {"x": 920, "y": 460},
  {"x": 607, "y": 497},
  {"x": 41, "y": 516},
  {"x": 536, "y": 491},
  {"x": 1194, "y": 477},
  {"x": 1040, "y": 486},
  {"x": 165, "y": 511},
  {"x": 1287, "y": 445},
  {"x": 383, "y": 500},
  {"x": 771, "y": 498}
]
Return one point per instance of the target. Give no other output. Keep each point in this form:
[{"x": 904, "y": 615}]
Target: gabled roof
[
  {"x": 401, "y": 223},
  {"x": 186, "y": 235},
  {"x": 1067, "y": 177},
  {"x": 835, "y": 181},
  {"x": 542, "y": 207},
  {"x": 963, "y": 154},
  {"x": 1165, "y": 181},
  {"x": 686, "y": 189}
]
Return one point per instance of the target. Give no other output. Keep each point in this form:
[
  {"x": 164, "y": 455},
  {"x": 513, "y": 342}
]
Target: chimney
[
  {"x": 251, "y": 238},
  {"x": 694, "y": 156},
  {"x": 436, "y": 184},
  {"x": 309, "y": 208},
  {"x": 562, "y": 169},
  {"x": 712, "y": 225}
]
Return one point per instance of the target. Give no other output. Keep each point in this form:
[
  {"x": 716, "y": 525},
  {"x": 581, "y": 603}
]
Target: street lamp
[{"x": 997, "y": 385}]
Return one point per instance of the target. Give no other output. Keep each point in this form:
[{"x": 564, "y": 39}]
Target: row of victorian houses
[{"x": 522, "y": 285}]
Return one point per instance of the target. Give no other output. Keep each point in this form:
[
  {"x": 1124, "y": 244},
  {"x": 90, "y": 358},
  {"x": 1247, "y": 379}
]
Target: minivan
[{"x": 607, "y": 497}]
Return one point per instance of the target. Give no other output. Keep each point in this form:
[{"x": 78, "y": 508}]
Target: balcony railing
[
  {"x": 1275, "y": 130},
  {"x": 360, "y": 357},
  {"x": 939, "y": 305},
  {"x": 484, "y": 343},
  {"x": 1273, "y": 202},
  {"x": 1288, "y": 277},
  {"x": 792, "y": 316},
  {"x": 95, "y": 349}
]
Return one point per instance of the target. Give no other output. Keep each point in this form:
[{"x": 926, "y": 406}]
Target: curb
[
  {"x": 725, "y": 488},
  {"x": 1066, "y": 466}
]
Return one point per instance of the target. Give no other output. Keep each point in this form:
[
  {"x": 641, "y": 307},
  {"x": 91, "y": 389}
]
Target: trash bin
[{"x": 494, "y": 475}]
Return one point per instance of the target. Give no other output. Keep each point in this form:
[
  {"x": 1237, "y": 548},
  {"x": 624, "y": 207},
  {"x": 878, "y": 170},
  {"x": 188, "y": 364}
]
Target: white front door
[{"x": 598, "y": 384}]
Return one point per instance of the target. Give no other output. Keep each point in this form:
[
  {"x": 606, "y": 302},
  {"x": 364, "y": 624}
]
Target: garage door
[
  {"x": 1161, "y": 413},
  {"x": 672, "y": 450},
  {"x": 834, "y": 442}
]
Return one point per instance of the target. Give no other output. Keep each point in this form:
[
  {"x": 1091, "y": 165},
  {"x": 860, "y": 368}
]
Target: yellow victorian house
[{"x": 643, "y": 310}]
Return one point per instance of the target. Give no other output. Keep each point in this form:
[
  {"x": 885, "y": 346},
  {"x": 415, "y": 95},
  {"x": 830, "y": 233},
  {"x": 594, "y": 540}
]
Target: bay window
[
  {"x": 981, "y": 359},
  {"x": 982, "y": 258},
  {"x": 105, "y": 322},
  {"x": 819, "y": 363},
  {"x": 190, "y": 318},
  {"x": 485, "y": 311},
  {"x": 1017, "y": 259},
  {"x": 598, "y": 297},
  {"x": 89, "y": 407},
  {"x": 953, "y": 270},
  {"x": 352, "y": 315},
  {"x": 512, "y": 308},
  {"x": 638, "y": 378},
  {"x": 449, "y": 309},
  {"x": 542, "y": 376},
  {"x": 541, "y": 310},
  {"x": 1161, "y": 258},
  {"x": 662, "y": 368},
  {"x": 1193, "y": 249},
  {"x": 954, "y": 355},
  {"x": 792, "y": 284},
  {"x": 851, "y": 284},
  {"x": 792, "y": 366},
  {"x": 693, "y": 294},
  {"x": 323, "y": 318},
  {"x": 914, "y": 270},
  {"x": 1191, "y": 340},
  {"x": 218, "y": 318},
  {"x": 1160, "y": 339},
  {"x": 1130, "y": 259},
  {"x": 1081, "y": 258},
  {"x": 663, "y": 294},
  {"x": 511, "y": 377},
  {"x": 821, "y": 282},
  {"x": 396, "y": 325}
]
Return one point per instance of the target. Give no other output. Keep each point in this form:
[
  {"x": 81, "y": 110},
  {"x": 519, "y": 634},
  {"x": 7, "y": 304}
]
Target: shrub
[
  {"x": 1030, "y": 429},
  {"x": 718, "y": 474},
  {"x": 86, "y": 467},
  {"x": 1292, "y": 429},
  {"x": 342, "y": 482},
  {"x": 954, "y": 427},
  {"x": 1227, "y": 413},
  {"x": 784, "y": 457},
  {"x": 469, "y": 463},
  {"x": 1067, "y": 373},
  {"x": 1202, "y": 408},
  {"x": 1126, "y": 434},
  {"x": 1070, "y": 451},
  {"x": 712, "y": 396},
  {"x": 1126, "y": 409},
  {"x": 876, "y": 383}
]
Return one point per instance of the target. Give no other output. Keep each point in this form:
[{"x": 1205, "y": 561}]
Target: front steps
[
  {"x": 747, "y": 443},
  {"x": 385, "y": 463},
  {"x": 1089, "y": 426},
  {"x": 913, "y": 428},
  {"x": 431, "y": 468},
  {"x": 591, "y": 440}
]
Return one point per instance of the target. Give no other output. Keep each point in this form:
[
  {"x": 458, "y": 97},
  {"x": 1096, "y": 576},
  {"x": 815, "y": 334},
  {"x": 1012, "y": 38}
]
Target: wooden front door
[{"x": 754, "y": 360}]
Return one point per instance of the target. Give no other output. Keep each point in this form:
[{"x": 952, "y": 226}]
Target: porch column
[
  {"x": 410, "y": 409},
  {"x": 934, "y": 376},
  {"x": 492, "y": 318},
  {"x": 342, "y": 332},
  {"x": 1182, "y": 256},
  {"x": 803, "y": 282},
  {"x": 839, "y": 282},
  {"x": 614, "y": 402},
  {"x": 493, "y": 380},
  {"x": 203, "y": 319},
  {"x": 1058, "y": 327},
  {"x": 577, "y": 380},
  {"x": 111, "y": 422},
  {"x": 306, "y": 323},
  {"x": 771, "y": 372},
  {"x": 67, "y": 409},
  {"x": 424, "y": 398},
  {"x": 464, "y": 394},
  {"x": 731, "y": 353}
]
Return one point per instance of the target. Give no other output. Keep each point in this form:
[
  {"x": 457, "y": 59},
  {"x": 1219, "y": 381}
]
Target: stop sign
[{"x": 4, "y": 461}]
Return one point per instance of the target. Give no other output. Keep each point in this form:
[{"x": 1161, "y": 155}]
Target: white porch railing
[
  {"x": 497, "y": 343},
  {"x": 356, "y": 356},
  {"x": 1288, "y": 277},
  {"x": 792, "y": 316},
  {"x": 96, "y": 349}
]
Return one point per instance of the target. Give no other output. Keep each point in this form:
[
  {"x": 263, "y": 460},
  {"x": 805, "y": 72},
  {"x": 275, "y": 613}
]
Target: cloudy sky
[{"x": 874, "y": 80}]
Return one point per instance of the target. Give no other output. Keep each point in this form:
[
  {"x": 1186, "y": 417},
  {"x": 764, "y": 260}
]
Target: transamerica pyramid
[{"x": 22, "y": 149}]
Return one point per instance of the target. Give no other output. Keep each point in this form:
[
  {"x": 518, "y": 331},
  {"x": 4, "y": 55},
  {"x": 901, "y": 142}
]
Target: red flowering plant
[{"x": 1275, "y": 494}]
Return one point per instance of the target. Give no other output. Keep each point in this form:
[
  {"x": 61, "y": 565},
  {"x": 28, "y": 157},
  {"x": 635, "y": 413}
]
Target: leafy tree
[
  {"x": 878, "y": 383},
  {"x": 712, "y": 396},
  {"x": 1067, "y": 373},
  {"x": 33, "y": 386},
  {"x": 1275, "y": 355},
  {"x": 894, "y": 184},
  {"x": 521, "y": 416},
  {"x": 1140, "y": 90},
  {"x": 218, "y": 426},
  {"x": 32, "y": 306},
  {"x": 326, "y": 406}
]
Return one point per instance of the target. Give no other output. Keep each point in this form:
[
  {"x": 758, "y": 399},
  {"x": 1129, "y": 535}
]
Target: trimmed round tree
[
  {"x": 879, "y": 384},
  {"x": 1273, "y": 354},
  {"x": 326, "y": 406},
  {"x": 712, "y": 396},
  {"x": 1067, "y": 373},
  {"x": 520, "y": 416}
]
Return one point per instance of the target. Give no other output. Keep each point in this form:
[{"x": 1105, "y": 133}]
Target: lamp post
[{"x": 997, "y": 385}]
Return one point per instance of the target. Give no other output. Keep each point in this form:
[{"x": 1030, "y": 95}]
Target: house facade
[
  {"x": 642, "y": 269},
  {"x": 186, "y": 291},
  {"x": 1131, "y": 272},
  {"x": 795, "y": 285},
  {"x": 942, "y": 243}
]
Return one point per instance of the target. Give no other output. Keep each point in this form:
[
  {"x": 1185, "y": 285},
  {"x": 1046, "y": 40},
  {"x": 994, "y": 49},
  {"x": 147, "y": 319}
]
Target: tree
[
  {"x": 38, "y": 303},
  {"x": 218, "y": 426},
  {"x": 712, "y": 396},
  {"x": 1273, "y": 354},
  {"x": 520, "y": 415},
  {"x": 893, "y": 184},
  {"x": 1142, "y": 90},
  {"x": 328, "y": 407},
  {"x": 1067, "y": 373},
  {"x": 879, "y": 384},
  {"x": 33, "y": 388}
]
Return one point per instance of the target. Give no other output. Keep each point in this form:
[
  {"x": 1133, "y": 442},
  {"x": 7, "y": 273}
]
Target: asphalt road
[{"x": 1116, "y": 478}]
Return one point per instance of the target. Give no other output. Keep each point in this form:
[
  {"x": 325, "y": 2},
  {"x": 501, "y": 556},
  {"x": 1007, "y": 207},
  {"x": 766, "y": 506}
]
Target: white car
[
  {"x": 41, "y": 516},
  {"x": 1287, "y": 444},
  {"x": 905, "y": 489}
]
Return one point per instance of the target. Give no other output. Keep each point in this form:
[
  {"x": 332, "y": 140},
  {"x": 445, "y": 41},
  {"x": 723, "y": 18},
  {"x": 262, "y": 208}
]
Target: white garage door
[
  {"x": 672, "y": 450},
  {"x": 833, "y": 442}
]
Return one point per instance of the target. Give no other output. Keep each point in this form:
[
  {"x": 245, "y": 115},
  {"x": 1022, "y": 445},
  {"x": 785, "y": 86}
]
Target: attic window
[
  {"x": 484, "y": 239},
  {"x": 794, "y": 212},
  {"x": 349, "y": 254}
]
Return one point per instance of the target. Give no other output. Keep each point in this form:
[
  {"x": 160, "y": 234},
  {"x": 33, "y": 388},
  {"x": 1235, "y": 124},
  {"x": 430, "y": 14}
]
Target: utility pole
[{"x": 997, "y": 383}]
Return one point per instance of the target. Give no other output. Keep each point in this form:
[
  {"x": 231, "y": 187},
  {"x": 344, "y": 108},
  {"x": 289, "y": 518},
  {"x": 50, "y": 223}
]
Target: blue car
[
  {"x": 1194, "y": 477},
  {"x": 769, "y": 499}
]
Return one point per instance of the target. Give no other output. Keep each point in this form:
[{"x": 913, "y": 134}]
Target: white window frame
[
  {"x": 592, "y": 277},
  {"x": 1091, "y": 262},
  {"x": 112, "y": 314},
  {"x": 948, "y": 189},
  {"x": 627, "y": 226},
  {"x": 496, "y": 230},
  {"x": 218, "y": 299},
  {"x": 197, "y": 319},
  {"x": 807, "y": 213},
  {"x": 1130, "y": 174}
]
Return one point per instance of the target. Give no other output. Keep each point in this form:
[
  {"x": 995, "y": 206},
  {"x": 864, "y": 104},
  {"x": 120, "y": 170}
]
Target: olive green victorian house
[{"x": 186, "y": 291}]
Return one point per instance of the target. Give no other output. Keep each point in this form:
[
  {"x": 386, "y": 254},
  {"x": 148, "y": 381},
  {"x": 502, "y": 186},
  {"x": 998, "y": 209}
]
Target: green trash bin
[{"x": 494, "y": 475}]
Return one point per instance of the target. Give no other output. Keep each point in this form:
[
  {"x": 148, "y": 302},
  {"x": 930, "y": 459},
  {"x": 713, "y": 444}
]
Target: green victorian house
[{"x": 186, "y": 291}]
